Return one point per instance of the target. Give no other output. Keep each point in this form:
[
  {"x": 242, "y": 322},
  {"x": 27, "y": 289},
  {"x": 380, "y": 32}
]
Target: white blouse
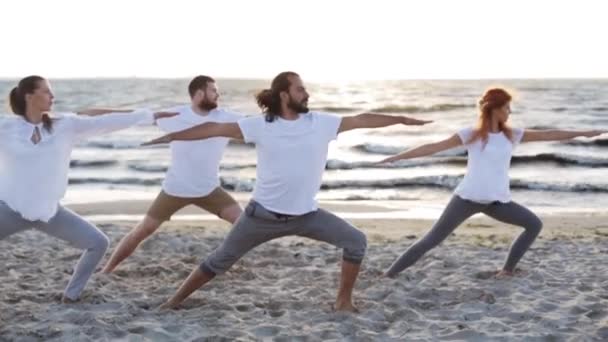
[
  {"x": 34, "y": 176},
  {"x": 487, "y": 177}
]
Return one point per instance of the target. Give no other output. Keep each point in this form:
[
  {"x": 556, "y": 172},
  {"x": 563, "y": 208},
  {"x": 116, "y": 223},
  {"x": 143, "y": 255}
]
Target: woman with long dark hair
[{"x": 34, "y": 163}]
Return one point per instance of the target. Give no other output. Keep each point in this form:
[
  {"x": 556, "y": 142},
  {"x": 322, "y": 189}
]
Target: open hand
[
  {"x": 165, "y": 139},
  {"x": 594, "y": 133},
  {"x": 416, "y": 122},
  {"x": 164, "y": 115},
  {"x": 387, "y": 160}
]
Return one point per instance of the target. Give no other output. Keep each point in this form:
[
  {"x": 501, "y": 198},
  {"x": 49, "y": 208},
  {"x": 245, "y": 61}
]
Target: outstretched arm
[
  {"x": 101, "y": 111},
  {"x": 426, "y": 150},
  {"x": 554, "y": 134},
  {"x": 372, "y": 120},
  {"x": 200, "y": 132},
  {"x": 87, "y": 126}
]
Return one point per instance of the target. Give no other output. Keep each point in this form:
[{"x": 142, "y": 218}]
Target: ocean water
[{"x": 554, "y": 176}]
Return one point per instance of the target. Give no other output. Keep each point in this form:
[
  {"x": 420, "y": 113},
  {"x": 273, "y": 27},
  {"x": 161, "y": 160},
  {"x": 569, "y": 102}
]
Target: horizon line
[{"x": 12, "y": 78}]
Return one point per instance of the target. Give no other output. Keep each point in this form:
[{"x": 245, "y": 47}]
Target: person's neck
[
  {"x": 33, "y": 116},
  {"x": 289, "y": 114},
  {"x": 495, "y": 127},
  {"x": 197, "y": 110}
]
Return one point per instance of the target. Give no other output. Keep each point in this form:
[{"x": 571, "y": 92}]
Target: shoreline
[
  {"x": 372, "y": 219},
  {"x": 374, "y": 208}
]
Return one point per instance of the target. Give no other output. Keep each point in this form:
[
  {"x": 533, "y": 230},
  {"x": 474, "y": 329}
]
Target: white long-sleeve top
[{"x": 34, "y": 177}]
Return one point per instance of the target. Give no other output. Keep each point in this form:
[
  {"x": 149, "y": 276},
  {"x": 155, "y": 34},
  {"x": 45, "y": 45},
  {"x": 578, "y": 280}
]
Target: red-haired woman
[{"x": 485, "y": 187}]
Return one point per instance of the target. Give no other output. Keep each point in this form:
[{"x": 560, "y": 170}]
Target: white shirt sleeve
[
  {"x": 328, "y": 124},
  {"x": 465, "y": 134},
  {"x": 5, "y": 121},
  {"x": 84, "y": 126},
  {"x": 518, "y": 135},
  {"x": 164, "y": 124},
  {"x": 6, "y": 124},
  {"x": 168, "y": 125},
  {"x": 232, "y": 116},
  {"x": 251, "y": 128}
]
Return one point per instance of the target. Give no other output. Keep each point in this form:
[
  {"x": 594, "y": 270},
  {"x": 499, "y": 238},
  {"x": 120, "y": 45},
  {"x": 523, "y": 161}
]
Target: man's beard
[
  {"x": 298, "y": 107},
  {"x": 207, "y": 105}
]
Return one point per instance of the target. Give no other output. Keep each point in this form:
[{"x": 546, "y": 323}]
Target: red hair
[{"x": 492, "y": 99}]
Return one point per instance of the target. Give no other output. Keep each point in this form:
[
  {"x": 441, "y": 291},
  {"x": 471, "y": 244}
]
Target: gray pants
[
  {"x": 257, "y": 225},
  {"x": 67, "y": 226},
  {"x": 457, "y": 211}
]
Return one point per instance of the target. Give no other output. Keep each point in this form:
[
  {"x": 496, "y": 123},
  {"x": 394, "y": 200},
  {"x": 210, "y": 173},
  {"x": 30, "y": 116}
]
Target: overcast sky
[{"x": 320, "y": 39}]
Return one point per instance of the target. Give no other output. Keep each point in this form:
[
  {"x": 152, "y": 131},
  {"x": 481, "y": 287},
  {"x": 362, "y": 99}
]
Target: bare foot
[
  {"x": 383, "y": 279},
  {"x": 168, "y": 305},
  {"x": 107, "y": 269},
  {"x": 66, "y": 300},
  {"x": 387, "y": 276},
  {"x": 504, "y": 274},
  {"x": 345, "y": 306}
]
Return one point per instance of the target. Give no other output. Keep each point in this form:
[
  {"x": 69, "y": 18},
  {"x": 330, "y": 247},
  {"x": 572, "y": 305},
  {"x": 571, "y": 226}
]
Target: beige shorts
[{"x": 165, "y": 205}]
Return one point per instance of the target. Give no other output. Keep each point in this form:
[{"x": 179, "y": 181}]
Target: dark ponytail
[
  {"x": 47, "y": 122},
  {"x": 17, "y": 99},
  {"x": 269, "y": 103},
  {"x": 269, "y": 100},
  {"x": 17, "y": 102}
]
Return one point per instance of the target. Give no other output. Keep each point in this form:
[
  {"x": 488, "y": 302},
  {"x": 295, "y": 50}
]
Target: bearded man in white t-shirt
[
  {"x": 193, "y": 175},
  {"x": 292, "y": 145}
]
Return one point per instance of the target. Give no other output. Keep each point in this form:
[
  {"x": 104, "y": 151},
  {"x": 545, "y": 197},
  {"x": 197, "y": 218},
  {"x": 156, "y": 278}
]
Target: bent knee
[
  {"x": 219, "y": 264},
  {"x": 355, "y": 251},
  {"x": 361, "y": 240},
  {"x": 536, "y": 226},
  {"x": 101, "y": 242}
]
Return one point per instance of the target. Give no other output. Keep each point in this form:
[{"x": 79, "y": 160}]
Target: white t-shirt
[
  {"x": 194, "y": 169},
  {"x": 34, "y": 177},
  {"x": 291, "y": 159},
  {"x": 487, "y": 177}
]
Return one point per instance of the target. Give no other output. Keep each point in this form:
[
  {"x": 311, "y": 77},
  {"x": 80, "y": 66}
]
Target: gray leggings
[
  {"x": 457, "y": 211},
  {"x": 257, "y": 225},
  {"x": 67, "y": 226}
]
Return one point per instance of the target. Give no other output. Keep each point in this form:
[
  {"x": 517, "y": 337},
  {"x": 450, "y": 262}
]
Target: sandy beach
[{"x": 282, "y": 291}]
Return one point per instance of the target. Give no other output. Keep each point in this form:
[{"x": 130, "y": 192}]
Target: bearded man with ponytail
[{"x": 292, "y": 146}]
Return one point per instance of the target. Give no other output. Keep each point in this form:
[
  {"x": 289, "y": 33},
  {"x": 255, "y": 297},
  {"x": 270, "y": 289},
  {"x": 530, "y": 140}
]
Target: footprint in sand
[
  {"x": 297, "y": 306},
  {"x": 190, "y": 260},
  {"x": 243, "y": 291},
  {"x": 488, "y": 298},
  {"x": 596, "y": 314},
  {"x": 602, "y": 333},
  {"x": 276, "y": 314},
  {"x": 484, "y": 275},
  {"x": 137, "y": 330},
  {"x": 70, "y": 257},
  {"x": 243, "y": 307},
  {"x": 546, "y": 306},
  {"x": 266, "y": 331},
  {"x": 302, "y": 338},
  {"x": 403, "y": 315},
  {"x": 214, "y": 338}
]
